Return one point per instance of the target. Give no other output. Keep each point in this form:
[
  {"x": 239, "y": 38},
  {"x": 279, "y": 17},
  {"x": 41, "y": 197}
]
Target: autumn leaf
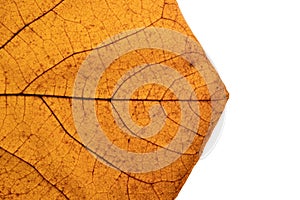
[{"x": 101, "y": 99}]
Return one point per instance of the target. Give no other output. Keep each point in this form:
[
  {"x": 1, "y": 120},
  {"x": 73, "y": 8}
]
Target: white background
[{"x": 255, "y": 46}]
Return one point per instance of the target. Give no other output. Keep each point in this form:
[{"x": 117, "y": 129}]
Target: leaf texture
[{"x": 101, "y": 99}]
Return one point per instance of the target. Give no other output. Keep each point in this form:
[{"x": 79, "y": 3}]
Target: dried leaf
[{"x": 101, "y": 99}]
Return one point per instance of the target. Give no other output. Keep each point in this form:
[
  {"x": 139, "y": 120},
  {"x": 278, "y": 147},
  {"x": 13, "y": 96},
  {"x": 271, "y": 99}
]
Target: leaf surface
[{"x": 129, "y": 70}]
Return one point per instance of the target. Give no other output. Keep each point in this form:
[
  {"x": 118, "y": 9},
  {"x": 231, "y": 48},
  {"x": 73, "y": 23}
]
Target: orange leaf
[{"x": 101, "y": 99}]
